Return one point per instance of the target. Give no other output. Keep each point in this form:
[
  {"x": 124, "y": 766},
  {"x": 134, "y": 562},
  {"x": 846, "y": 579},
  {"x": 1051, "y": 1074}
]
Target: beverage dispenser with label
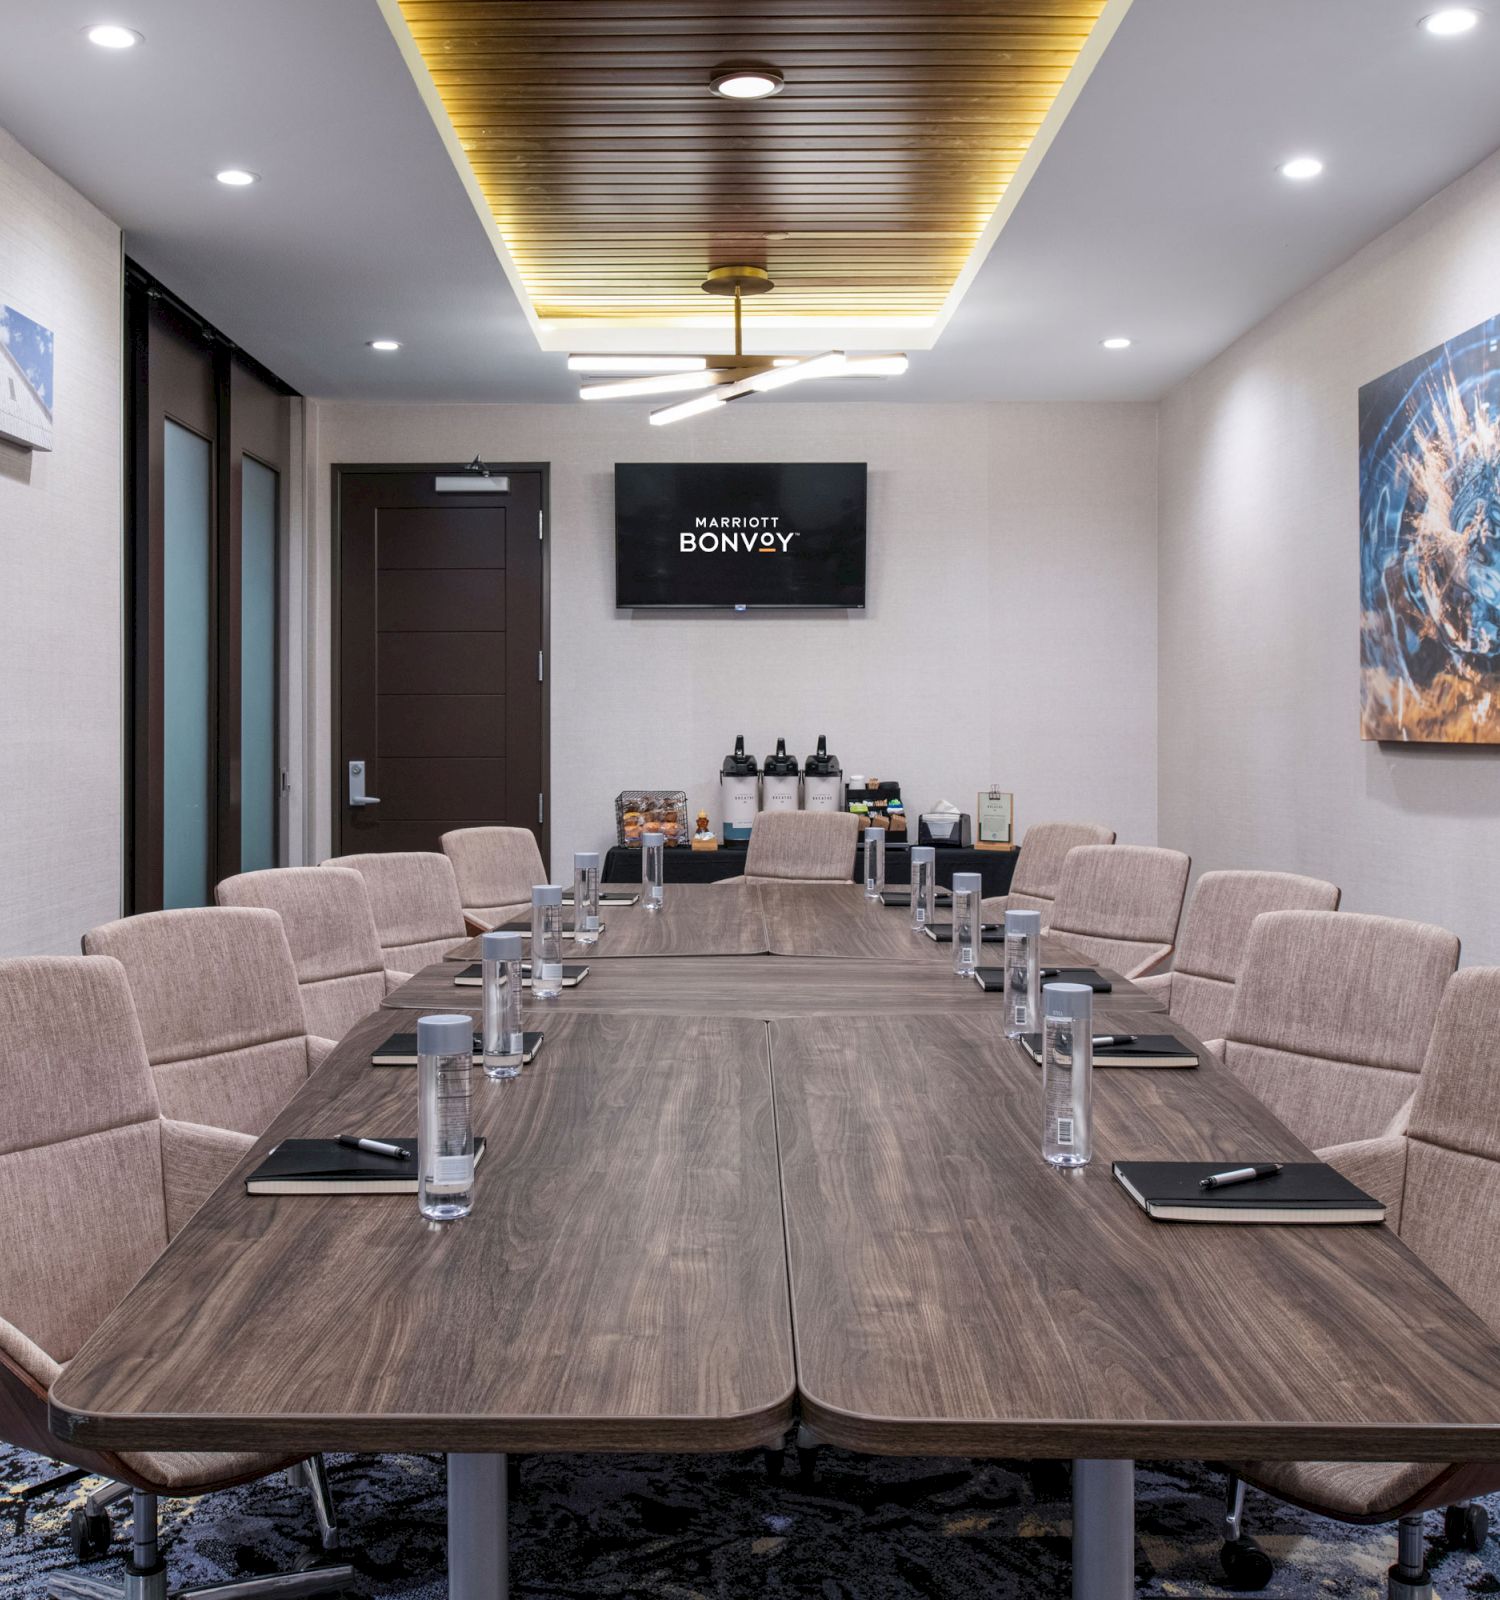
[
  {"x": 739, "y": 778},
  {"x": 782, "y": 785},
  {"x": 822, "y": 780}
]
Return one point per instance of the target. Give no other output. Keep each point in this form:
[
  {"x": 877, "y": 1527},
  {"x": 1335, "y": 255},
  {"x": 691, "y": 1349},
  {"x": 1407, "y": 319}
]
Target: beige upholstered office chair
[
  {"x": 1332, "y": 1015},
  {"x": 1044, "y": 848},
  {"x": 1199, "y": 990},
  {"x": 1119, "y": 904},
  {"x": 94, "y": 1182},
  {"x": 496, "y": 868},
  {"x": 331, "y": 930},
  {"x": 219, "y": 1010},
  {"x": 414, "y": 899},
  {"x": 802, "y": 847},
  {"x": 1440, "y": 1180}
]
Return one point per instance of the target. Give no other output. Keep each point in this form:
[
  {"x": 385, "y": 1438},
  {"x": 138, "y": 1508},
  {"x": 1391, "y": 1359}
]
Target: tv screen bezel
[{"x": 755, "y": 605}]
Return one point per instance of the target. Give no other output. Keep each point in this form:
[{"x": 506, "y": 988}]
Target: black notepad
[
  {"x": 942, "y": 932},
  {"x": 472, "y": 976},
  {"x": 524, "y": 929},
  {"x": 324, "y": 1166},
  {"x": 1303, "y": 1191},
  {"x": 400, "y": 1050},
  {"x": 989, "y": 978},
  {"x": 902, "y": 897},
  {"x": 1146, "y": 1050},
  {"x": 608, "y": 897}
]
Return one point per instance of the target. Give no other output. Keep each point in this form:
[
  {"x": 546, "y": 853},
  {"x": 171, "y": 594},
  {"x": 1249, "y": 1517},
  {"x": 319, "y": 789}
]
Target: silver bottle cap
[
  {"x": 923, "y": 852},
  {"x": 968, "y": 883},
  {"x": 501, "y": 947},
  {"x": 1072, "y": 1000},
  {"x": 1029, "y": 922},
  {"x": 584, "y": 859},
  {"x": 651, "y": 840},
  {"x": 445, "y": 1036},
  {"x": 874, "y": 835},
  {"x": 547, "y": 894}
]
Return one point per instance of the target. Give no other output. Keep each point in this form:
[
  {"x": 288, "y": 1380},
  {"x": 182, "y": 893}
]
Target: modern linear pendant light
[{"x": 715, "y": 380}]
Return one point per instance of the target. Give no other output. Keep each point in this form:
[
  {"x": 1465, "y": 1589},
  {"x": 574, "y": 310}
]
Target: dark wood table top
[
  {"x": 762, "y": 986},
  {"x": 619, "y": 1285},
  {"x": 835, "y": 920},
  {"x": 952, "y": 1294},
  {"x": 696, "y": 919}
]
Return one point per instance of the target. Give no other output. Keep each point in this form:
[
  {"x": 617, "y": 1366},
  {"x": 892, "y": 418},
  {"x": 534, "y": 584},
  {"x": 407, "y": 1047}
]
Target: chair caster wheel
[
  {"x": 90, "y": 1533},
  {"x": 1245, "y": 1564},
  {"x": 1466, "y": 1527},
  {"x": 775, "y": 1463}
]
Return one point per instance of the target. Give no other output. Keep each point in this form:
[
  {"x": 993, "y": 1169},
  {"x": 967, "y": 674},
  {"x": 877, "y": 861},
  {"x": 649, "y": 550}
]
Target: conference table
[{"x": 801, "y": 1183}]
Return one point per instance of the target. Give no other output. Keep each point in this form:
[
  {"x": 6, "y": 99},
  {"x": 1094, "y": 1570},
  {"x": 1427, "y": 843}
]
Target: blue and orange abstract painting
[{"x": 1429, "y": 545}]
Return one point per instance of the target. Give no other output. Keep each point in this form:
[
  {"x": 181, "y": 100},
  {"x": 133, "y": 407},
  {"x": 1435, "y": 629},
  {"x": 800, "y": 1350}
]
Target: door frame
[{"x": 454, "y": 468}]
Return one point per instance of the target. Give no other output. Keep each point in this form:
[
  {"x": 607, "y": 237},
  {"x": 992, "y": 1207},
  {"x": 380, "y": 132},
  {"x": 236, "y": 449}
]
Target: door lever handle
[{"x": 357, "y": 795}]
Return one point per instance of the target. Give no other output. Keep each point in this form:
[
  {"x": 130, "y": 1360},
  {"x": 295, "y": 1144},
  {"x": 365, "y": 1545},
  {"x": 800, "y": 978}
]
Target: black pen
[
  {"x": 376, "y": 1147},
  {"x": 1222, "y": 1180}
]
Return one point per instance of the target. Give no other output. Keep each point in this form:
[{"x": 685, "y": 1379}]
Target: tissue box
[{"x": 945, "y": 828}]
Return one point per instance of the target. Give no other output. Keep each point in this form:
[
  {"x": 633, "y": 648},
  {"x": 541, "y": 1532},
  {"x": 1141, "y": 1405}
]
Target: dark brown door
[{"x": 440, "y": 696}]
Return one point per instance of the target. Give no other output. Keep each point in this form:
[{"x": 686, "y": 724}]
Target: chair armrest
[
  {"x": 195, "y": 1160},
  {"x": 1158, "y": 983},
  {"x": 1216, "y": 1048},
  {"x": 1378, "y": 1166},
  {"x": 474, "y": 927},
  {"x": 994, "y": 909},
  {"x": 1398, "y": 1124},
  {"x": 394, "y": 979},
  {"x": 318, "y": 1051},
  {"x": 1152, "y": 957},
  {"x": 28, "y": 1357}
]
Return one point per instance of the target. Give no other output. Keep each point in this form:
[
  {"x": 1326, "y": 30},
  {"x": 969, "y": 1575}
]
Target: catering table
[
  {"x": 734, "y": 1189},
  {"x": 622, "y": 864}
]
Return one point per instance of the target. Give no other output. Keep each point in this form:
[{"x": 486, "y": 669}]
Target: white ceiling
[{"x": 1158, "y": 211}]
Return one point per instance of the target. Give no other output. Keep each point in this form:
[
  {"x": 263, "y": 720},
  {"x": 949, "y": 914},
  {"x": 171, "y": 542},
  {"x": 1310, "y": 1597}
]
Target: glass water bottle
[
  {"x": 1023, "y": 972},
  {"x": 586, "y": 923},
  {"x": 1068, "y": 1074},
  {"x": 503, "y": 1041},
  {"x": 923, "y": 886},
  {"x": 968, "y": 923},
  {"x": 874, "y": 863},
  {"x": 653, "y": 871},
  {"x": 445, "y": 1133},
  {"x": 546, "y": 941}
]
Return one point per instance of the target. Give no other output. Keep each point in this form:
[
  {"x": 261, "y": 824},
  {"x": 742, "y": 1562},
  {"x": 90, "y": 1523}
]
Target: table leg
[
  {"x": 478, "y": 1553},
  {"x": 1103, "y": 1530}
]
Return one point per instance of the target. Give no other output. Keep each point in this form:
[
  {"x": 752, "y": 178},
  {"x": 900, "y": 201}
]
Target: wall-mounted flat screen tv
[{"x": 726, "y": 534}]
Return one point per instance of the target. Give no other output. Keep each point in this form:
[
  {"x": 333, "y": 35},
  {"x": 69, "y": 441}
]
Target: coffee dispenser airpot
[
  {"x": 781, "y": 785},
  {"x": 822, "y": 780},
  {"x": 739, "y": 779}
]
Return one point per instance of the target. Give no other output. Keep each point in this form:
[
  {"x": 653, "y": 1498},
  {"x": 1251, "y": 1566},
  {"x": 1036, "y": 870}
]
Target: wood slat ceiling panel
[{"x": 618, "y": 180}]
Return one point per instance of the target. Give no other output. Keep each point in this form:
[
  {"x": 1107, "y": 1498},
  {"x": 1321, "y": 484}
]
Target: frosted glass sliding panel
[
  {"x": 258, "y": 789},
  {"x": 187, "y": 533}
]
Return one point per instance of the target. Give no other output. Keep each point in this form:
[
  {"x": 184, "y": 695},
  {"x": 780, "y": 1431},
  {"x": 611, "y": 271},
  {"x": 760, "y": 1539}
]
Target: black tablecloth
[{"x": 623, "y": 865}]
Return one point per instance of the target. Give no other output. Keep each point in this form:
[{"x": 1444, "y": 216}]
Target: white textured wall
[
  {"x": 1261, "y": 760},
  {"x": 60, "y": 661},
  {"x": 1010, "y": 633}
]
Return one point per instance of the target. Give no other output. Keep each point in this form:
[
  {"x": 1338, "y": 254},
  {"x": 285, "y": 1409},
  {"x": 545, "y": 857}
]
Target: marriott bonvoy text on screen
[{"x": 723, "y": 534}]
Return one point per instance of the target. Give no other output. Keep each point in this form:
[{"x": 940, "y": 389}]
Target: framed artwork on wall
[
  {"x": 25, "y": 380},
  {"x": 1429, "y": 545}
]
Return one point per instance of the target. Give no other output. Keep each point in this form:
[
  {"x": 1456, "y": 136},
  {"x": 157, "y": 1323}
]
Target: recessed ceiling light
[
  {"x": 111, "y": 36},
  {"x": 1116, "y": 341},
  {"x": 385, "y": 344},
  {"x": 1451, "y": 20},
  {"x": 237, "y": 177},
  {"x": 1300, "y": 168},
  {"x": 746, "y": 83}
]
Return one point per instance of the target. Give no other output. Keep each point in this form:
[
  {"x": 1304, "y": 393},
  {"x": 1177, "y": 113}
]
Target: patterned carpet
[{"x": 719, "y": 1528}]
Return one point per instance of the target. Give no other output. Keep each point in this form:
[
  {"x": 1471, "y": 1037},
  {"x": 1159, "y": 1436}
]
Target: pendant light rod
[{"x": 738, "y": 349}]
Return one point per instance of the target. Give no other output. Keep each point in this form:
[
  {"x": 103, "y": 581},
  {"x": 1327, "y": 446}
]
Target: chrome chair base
[{"x": 145, "y": 1575}]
